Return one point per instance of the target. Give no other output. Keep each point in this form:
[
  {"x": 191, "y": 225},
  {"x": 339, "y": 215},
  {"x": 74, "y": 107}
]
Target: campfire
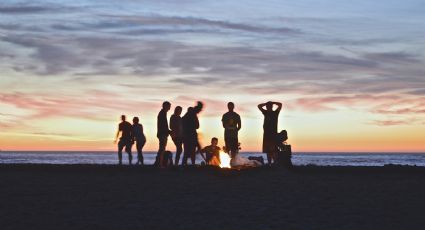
[{"x": 224, "y": 160}]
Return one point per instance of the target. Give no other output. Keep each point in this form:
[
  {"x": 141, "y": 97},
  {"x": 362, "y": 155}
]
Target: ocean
[{"x": 320, "y": 159}]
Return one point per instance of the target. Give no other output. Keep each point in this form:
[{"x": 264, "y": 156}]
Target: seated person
[
  {"x": 285, "y": 153},
  {"x": 281, "y": 139},
  {"x": 212, "y": 152}
]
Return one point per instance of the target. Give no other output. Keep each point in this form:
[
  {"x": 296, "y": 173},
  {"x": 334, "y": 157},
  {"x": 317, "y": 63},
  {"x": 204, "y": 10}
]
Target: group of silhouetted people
[{"x": 183, "y": 132}]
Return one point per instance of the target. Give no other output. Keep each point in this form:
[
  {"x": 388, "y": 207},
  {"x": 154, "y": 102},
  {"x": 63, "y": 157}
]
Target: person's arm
[
  {"x": 116, "y": 136},
  {"x": 279, "y": 106},
  {"x": 173, "y": 125},
  {"x": 132, "y": 137},
  {"x": 239, "y": 124},
  {"x": 260, "y": 107},
  {"x": 223, "y": 122},
  {"x": 198, "y": 107}
]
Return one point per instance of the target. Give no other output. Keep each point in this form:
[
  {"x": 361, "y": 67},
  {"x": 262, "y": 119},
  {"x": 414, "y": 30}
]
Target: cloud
[
  {"x": 329, "y": 103},
  {"x": 402, "y": 107},
  {"x": 27, "y": 8},
  {"x": 23, "y": 9},
  {"x": 420, "y": 92},
  {"x": 390, "y": 122},
  {"x": 255, "y": 69},
  {"x": 196, "y": 22},
  {"x": 95, "y": 105}
]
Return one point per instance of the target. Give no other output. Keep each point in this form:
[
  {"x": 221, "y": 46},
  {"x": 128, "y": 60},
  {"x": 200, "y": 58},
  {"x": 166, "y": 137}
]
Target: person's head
[
  {"x": 166, "y": 105},
  {"x": 135, "y": 120},
  {"x": 178, "y": 110},
  {"x": 269, "y": 106},
  {"x": 122, "y": 117},
  {"x": 231, "y": 106},
  {"x": 214, "y": 141}
]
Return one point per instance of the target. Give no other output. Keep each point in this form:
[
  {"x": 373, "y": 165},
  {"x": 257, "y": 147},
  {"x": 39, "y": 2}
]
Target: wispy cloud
[{"x": 390, "y": 122}]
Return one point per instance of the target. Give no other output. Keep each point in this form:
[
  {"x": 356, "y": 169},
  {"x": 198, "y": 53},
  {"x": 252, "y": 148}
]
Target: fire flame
[{"x": 224, "y": 160}]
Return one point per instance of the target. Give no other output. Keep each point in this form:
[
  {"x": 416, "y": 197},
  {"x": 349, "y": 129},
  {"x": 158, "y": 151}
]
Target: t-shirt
[
  {"x": 125, "y": 128},
  {"x": 230, "y": 122}
]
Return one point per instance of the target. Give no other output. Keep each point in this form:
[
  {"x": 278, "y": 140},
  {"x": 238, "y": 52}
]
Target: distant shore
[{"x": 39, "y": 196}]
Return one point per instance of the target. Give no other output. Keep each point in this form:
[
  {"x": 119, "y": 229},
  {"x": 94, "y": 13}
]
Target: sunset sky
[{"x": 351, "y": 74}]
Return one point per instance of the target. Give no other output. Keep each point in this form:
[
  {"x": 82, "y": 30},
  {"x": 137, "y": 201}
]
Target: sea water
[{"x": 320, "y": 159}]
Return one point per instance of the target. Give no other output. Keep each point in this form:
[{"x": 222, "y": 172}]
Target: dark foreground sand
[{"x": 111, "y": 197}]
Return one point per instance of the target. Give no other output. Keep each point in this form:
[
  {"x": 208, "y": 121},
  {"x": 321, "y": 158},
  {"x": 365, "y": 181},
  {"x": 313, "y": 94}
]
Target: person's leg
[
  {"x": 139, "y": 146},
  {"x": 162, "y": 147},
  {"x": 120, "y": 148},
  {"x": 179, "y": 150},
  {"x": 185, "y": 151},
  {"x": 170, "y": 159},
  {"x": 128, "y": 150},
  {"x": 227, "y": 144},
  {"x": 269, "y": 158},
  {"x": 193, "y": 156},
  {"x": 233, "y": 147}
]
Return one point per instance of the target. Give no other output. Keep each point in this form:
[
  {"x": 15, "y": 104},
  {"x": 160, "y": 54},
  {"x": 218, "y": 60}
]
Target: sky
[{"x": 350, "y": 74}]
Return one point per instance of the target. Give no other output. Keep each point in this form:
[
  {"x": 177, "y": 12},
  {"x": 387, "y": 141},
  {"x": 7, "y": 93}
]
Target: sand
[{"x": 112, "y": 197}]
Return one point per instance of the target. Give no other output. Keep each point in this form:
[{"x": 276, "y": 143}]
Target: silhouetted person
[
  {"x": 162, "y": 132},
  {"x": 281, "y": 139},
  {"x": 190, "y": 136},
  {"x": 231, "y": 124},
  {"x": 125, "y": 129},
  {"x": 139, "y": 138},
  {"x": 176, "y": 127},
  {"x": 285, "y": 152},
  {"x": 270, "y": 128},
  {"x": 212, "y": 153}
]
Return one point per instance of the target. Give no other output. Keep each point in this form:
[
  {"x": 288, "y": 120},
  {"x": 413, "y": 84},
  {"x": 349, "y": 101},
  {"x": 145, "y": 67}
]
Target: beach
[{"x": 307, "y": 197}]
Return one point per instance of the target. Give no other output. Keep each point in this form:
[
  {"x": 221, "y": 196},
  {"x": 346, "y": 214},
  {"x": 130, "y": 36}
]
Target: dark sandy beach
[{"x": 111, "y": 197}]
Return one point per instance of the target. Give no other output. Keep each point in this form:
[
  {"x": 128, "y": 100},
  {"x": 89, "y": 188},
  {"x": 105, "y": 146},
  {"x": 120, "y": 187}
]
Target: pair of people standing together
[{"x": 130, "y": 134}]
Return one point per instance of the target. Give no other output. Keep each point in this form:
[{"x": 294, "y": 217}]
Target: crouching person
[
  {"x": 212, "y": 153},
  {"x": 284, "y": 150}
]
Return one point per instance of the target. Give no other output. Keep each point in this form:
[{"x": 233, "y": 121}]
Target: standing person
[
  {"x": 231, "y": 124},
  {"x": 125, "y": 140},
  {"x": 190, "y": 123},
  {"x": 270, "y": 129},
  {"x": 139, "y": 138},
  {"x": 162, "y": 133},
  {"x": 176, "y": 127}
]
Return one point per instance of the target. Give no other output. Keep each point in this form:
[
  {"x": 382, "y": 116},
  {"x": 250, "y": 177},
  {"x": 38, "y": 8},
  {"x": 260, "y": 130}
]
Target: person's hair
[
  {"x": 136, "y": 120},
  {"x": 166, "y": 103},
  {"x": 269, "y": 105},
  {"x": 178, "y": 108},
  {"x": 231, "y": 104},
  {"x": 214, "y": 139},
  {"x": 123, "y": 117}
]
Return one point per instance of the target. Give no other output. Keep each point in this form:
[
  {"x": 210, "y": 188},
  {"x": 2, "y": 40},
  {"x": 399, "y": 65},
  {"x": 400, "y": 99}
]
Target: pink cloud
[
  {"x": 95, "y": 105},
  {"x": 392, "y": 122},
  {"x": 329, "y": 103}
]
